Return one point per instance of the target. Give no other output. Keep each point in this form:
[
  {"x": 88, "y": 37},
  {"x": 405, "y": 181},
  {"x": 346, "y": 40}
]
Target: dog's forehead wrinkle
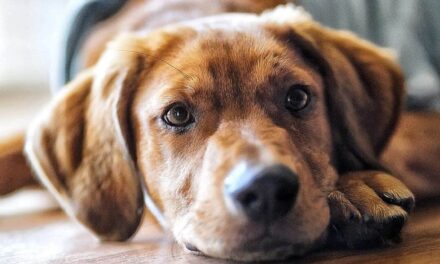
[
  {"x": 236, "y": 64},
  {"x": 234, "y": 71}
]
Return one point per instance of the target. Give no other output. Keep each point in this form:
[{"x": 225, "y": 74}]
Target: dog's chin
[
  {"x": 263, "y": 248},
  {"x": 273, "y": 250},
  {"x": 269, "y": 249}
]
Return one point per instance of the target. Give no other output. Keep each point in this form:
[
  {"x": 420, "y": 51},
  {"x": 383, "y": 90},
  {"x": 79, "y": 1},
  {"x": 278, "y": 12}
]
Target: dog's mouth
[
  {"x": 269, "y": 250},
  {"x": 264, "y": 218},
  {"x": 193, "y": 249},
  {"x": 264, "y": 244},
  {"x": 261, "y": 244},
  {"x": 271, "y": 247},
  {"x": 265, "y": 247}
]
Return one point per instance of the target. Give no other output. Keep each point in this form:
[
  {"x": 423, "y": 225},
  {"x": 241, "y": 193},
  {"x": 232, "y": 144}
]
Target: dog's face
[
  {"x": 237, "y": 134},
  {"x": 236, "y": 111}
]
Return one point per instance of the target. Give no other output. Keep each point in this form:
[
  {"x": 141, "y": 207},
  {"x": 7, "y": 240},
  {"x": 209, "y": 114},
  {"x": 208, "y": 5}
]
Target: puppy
[{"x": 249, "y": 137}]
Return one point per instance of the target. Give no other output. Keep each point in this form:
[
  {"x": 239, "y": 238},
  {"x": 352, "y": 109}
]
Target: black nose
[{"x": 266, "y": 194}]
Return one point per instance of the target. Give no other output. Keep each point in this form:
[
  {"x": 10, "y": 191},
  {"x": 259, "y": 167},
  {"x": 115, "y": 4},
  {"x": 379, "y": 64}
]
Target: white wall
[{"x": 27, "y": 34}]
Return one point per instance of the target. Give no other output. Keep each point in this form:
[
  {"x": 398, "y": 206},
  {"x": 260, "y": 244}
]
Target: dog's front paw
[{"x": 368, "y": 209}]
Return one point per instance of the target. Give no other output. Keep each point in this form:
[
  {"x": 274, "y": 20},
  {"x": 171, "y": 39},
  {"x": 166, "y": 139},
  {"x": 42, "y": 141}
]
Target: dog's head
[{"x": 236, "y": 127}]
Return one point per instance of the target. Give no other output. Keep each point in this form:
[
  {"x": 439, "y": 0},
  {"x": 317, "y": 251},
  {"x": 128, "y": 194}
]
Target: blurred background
[{"x": 28, "y": 33}]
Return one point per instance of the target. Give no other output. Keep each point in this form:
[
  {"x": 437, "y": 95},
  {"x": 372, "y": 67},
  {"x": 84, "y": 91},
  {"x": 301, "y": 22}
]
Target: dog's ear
[
  {"x": 364, "y": 90},
  {"x": 79, "y": 148}
]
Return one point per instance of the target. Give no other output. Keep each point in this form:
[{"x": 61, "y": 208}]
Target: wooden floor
[{"x": 52, "y": 237}]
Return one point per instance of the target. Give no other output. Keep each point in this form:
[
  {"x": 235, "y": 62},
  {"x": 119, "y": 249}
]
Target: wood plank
[{"x": 52, "y": 237}]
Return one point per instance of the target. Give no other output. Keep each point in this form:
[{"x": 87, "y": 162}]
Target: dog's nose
[{"x": 266, "y": 194}]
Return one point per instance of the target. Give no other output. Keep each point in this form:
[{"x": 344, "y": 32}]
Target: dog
[{"x": 250, "y": 136}]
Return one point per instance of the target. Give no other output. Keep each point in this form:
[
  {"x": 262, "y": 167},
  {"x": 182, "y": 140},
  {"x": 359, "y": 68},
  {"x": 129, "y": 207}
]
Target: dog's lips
[
  {"x": 272, "y": 248},
  {"x": 262, "y": 246},
  {"x": 193, "y": 250},
  {"x": 268, "y": 248}
]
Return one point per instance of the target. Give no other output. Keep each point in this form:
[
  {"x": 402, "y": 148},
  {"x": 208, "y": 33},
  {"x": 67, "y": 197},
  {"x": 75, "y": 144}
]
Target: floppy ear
[
  {"x": 79, "y": 148},
  {"x": 364, "y": 91}
]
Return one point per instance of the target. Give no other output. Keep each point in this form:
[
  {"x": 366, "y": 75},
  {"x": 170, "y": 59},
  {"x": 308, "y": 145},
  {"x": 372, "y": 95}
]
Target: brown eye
[
  {"x": 178, "y": 116},
  {"x": 297, "y": 98}
]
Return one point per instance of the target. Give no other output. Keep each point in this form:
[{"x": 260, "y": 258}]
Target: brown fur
[
  {"x": 14, "y": 171},
  {"x": 103, "y": 138}
]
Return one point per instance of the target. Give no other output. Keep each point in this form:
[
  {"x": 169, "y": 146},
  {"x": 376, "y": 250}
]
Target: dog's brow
[{"x": 188, "y": 76}]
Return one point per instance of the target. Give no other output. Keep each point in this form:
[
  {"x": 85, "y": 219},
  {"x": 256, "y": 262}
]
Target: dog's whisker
[{"x": 186, "y": 75}]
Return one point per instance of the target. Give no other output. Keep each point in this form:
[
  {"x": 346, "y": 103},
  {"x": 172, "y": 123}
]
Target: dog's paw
[{"x": 368, "y": 209}]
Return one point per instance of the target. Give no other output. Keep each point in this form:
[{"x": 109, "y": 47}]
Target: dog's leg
[
  {"x": 414, "y": 153},
  {"x": 368, "y": 209},
  {"x": 14, "y": 171}
]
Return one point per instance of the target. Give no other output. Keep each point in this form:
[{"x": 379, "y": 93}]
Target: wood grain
[{"x": 51, "y": 237}]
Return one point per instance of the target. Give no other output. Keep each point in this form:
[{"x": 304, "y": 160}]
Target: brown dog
[{"x": 251, "y": 137}]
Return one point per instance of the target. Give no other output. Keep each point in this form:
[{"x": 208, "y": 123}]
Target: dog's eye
[
  {"x": 297, "y": 98},
  {"x": 178, "y": 115}
]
